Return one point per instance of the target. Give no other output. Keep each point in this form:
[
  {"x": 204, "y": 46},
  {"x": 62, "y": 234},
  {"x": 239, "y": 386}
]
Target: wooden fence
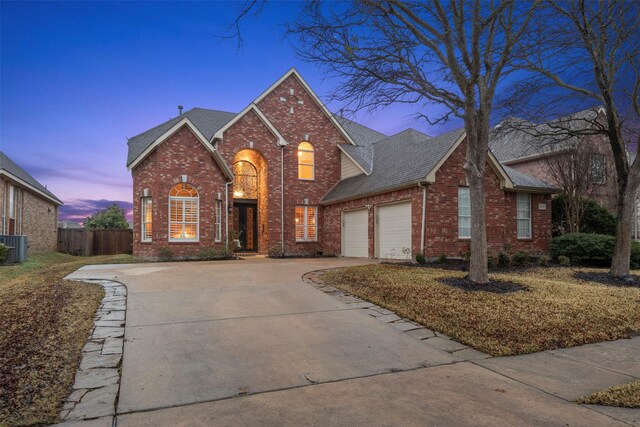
[{"x": 83, "y": 242}]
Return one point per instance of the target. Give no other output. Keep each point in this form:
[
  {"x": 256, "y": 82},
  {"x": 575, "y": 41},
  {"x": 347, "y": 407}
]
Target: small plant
[
  {"x": 165, "y": 254},
  {"x": 208, "y": 254},
  {"x": 564, "y": 261},
  {"x": 420, "y": 259},
  {"x": 442, "y": 259},
  {"x": 4, "y": 252},
  {"x": 503, "y": 260},
  {"x": 543, "y": 260},
  {"x": 492, "y": 261},
  {"x": 520, "y": 259}
]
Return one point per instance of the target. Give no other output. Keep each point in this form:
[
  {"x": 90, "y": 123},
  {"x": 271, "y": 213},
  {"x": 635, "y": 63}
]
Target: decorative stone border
[
  {"x": 429, "y": 337},
  {"x": 97, "y": 382}
]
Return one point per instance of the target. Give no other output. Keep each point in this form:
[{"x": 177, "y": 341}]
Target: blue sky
[{"x": 78, "y": 78}]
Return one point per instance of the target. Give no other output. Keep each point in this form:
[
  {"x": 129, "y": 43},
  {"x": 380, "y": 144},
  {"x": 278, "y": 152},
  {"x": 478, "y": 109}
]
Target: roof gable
[
  {"x": 219, "y": 134},
  {"x": 13, "y": 171}
]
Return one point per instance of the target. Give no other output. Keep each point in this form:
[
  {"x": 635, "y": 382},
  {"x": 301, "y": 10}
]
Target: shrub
[
  {"x": 208, "y": 254},
  {"x": 420, "y": 258},
  {"x": 492, "y": 261},
  {"x": 442, "y": 259},
  {"x": 520, "y": 259},
  {"x": 4, "y": 252},
  {"x": 165, "y": 254},
  {"x": 596, "y": 219},
  {"x": 564, "y": 261},
  {"x": 590, "y": 249},
  {"x": 543, "y": 260},
  {"x": 503, "y": 260}
]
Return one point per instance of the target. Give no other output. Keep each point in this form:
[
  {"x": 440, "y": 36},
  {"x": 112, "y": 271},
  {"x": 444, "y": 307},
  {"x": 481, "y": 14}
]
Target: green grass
[
  {"x": 625, "y": 396},
  {"x": 44, "y": 323},
  {"x": 556, "y": 309}
]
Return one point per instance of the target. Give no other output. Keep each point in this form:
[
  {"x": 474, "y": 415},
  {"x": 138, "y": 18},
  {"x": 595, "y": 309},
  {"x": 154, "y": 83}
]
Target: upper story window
[
  {"x": 524, "y": 215},
  {"x": 147, "y": 219},
  {"x": 306, "y": 161},
  {"x": 598, "y": 168},
  {"x": 184, "y": 213},
  {"x": 464, "y": 213},
  {"x": 245, "y": 182}
]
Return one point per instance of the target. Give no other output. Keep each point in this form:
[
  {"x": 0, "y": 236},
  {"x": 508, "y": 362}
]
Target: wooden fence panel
[{"x": 83, "y": 242}]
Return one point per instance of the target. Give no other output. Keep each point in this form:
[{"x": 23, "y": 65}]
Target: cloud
[{"x": 79, "y": 209}]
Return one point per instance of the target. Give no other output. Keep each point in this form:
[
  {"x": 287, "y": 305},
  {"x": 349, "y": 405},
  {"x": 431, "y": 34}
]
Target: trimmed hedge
[{"x": 593, "y": 250}]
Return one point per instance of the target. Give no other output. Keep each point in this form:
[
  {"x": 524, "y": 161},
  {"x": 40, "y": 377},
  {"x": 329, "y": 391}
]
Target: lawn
[
  {"x": 626, "y": 396},
  {"x": 44, "y": 322},
  {"x": 554, "y": 308}
]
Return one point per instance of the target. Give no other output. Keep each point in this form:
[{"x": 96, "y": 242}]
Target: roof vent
[{"x": 180, "y": 107}]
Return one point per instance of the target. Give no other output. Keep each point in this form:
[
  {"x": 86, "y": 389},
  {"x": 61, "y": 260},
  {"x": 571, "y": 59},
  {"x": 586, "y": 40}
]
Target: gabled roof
[
  {"x": 11, "y": 169},
  {"x": 522, "y": 181},
  {"x": 516, "y": 139},
  {"x": 251, "y": 107},
  {"x": 397, "y": 163},
  {"x": 206, "y": 121}
]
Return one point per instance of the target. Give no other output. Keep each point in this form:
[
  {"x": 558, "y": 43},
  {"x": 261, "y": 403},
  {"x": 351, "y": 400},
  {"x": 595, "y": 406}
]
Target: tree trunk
[
  {"x": 478, "y": 269},
  {"x": 622, "y": 249}
]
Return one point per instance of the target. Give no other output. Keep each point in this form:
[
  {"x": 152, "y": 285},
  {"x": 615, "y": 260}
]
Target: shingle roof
[
  {"x": 515, "y": 138},
  {"x": 207, "y": 122},
  {"x": 12, "y": 168},
  {"x": 522, "y": 180},
  {"x": 397, "y": 162}
]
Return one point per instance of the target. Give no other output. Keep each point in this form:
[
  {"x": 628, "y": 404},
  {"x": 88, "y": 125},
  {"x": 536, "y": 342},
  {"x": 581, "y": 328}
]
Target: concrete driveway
[{"x": 248, "y": 342}]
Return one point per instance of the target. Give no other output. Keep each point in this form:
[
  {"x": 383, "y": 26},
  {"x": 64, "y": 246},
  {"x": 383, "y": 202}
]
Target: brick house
[
  {"x": 27, "y": 207},
  {"x": 287, "y": 177}
]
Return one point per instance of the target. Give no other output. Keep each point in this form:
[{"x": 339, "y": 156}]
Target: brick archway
[{"x": 257, "y": 160}]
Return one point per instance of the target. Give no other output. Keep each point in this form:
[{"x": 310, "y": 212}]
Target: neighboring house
[
  {"x": 27, "y": 207},
  {"x": 533, "y": 149},
  {"x": 69, "y": 224},
  {"x": 286, "y": 177}
]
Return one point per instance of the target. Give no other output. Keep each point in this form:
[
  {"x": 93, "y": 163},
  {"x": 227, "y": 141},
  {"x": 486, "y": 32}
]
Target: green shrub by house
[
  {"x": 593, "y": 250},
  {"x": 4, "y": 252}
]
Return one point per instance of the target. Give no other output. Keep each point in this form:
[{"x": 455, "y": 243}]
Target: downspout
[
  {"x": 282, "y": 200},
  {"x": 424, "y": 216}
]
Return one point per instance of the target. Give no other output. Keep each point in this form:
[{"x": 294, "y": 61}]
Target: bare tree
[
  {"x": 448, "y": 57},
  {"x": 591, "y": 50}
]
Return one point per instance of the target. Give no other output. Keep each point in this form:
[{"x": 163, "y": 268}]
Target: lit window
[
  {"x": 306, "y": 223},
  {"x": 147, "y": 222},
  {"x": 598, "y": 169},
  {"x": 464, "y": 213},
  {"x": 305, "y": 161},
  {"x": 218, "y": 221},
  {"x": 183, "y": 213},
  {"x": 524, "y": 215},
  {"x": 245, "y": 182}
]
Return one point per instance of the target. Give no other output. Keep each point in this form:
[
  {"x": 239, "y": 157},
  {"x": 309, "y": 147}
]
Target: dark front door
[{"x": 245, "y": 225}]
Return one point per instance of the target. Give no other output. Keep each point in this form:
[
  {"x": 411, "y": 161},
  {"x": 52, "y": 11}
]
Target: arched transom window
[
  {"x": 306, "y": 165},
  {"x": 245, "y": 183},
  {"x": 184, "y": 213}
]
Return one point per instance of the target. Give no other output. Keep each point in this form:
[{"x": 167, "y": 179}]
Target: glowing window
[
  {"x": 184, "y": 213},
  {"x": 245, "y": 183},
  {"x": 147, "y": 219},
  {"x": 306, "y": 224},
  {"x": 306, "y": 168}
]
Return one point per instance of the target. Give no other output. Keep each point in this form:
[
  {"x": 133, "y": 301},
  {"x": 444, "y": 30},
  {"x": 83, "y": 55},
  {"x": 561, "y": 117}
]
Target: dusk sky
[{"x": 78, "y": 78}]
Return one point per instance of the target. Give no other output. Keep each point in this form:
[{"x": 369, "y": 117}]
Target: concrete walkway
[{"x": 248, "y": 342}]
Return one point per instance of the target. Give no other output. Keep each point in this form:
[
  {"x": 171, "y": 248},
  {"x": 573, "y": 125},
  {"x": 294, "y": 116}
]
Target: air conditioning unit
[{"x": 17, "y": 247}]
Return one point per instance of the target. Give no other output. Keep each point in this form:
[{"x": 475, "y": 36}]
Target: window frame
[
  {"x": 12, "y": 202},
  {"x": 468, "y": 196},
  {"x": 143, "y": 222},
  {"x": 183, "y": 200},
  {"x": 597, "y": 160},
  {"x": 312, "y": 164},
  {"x": 305, "y": 224},
  {"x": 218, "y": 221},
  {"x": 528, "y": 219}
]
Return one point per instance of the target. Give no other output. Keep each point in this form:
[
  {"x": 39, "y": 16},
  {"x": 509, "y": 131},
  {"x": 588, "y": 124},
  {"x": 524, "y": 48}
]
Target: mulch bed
[
  {"x": 494, "y": 286},
  {"x": 607, "y": 279}
]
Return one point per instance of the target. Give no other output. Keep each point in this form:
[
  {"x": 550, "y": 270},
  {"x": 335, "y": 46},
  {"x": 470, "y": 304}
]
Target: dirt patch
[
  {"x": 494, "y": 286},
  {"x": 607, "y": 279}
]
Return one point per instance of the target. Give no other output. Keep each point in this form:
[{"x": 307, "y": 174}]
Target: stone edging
[
  {"x": 97, "y": 381},
  {"x": 441, "y": 341}
]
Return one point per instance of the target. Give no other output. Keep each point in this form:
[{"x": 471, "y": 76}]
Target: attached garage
[
  {"x": 393, "y": 231},
  {"x": 355, "y": 233}
]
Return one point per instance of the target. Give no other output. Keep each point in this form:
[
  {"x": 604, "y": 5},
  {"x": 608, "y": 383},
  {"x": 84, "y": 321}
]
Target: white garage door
[
  {"x": 355, "y": 233},
  {"x": 394, "y": 231}
]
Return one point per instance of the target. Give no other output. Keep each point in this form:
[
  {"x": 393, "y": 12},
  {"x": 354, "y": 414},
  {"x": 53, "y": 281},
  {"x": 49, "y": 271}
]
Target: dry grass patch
[
  {"x": 625, "y": 396},
  {"x": 44, "y": 322},
  {"x": 554, "y": 310}
]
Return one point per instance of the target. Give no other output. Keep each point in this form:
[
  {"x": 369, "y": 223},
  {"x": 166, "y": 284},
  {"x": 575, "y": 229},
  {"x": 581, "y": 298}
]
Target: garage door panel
[
  {"x": 394, "y": 231},
  {"x": 355, "y": 233}
]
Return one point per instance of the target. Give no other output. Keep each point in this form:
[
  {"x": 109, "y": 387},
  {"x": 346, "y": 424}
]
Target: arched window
[
  {"x": 306, "y": 163},
  {"x": 245, "y": 183},
  {"x": 184, "y": 213}
]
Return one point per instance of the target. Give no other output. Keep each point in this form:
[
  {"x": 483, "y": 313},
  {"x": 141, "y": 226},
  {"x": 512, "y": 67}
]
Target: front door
[{"x": 245, "y": 225}]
